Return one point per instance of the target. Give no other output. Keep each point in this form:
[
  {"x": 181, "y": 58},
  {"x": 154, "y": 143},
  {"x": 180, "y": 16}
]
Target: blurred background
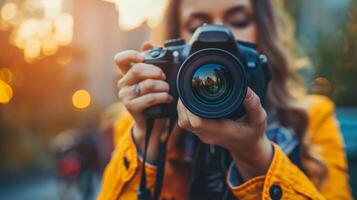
[{"x": 57, "y": 84}]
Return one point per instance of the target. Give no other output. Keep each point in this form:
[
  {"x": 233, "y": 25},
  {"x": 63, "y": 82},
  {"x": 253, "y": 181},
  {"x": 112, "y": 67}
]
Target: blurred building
[{"x": 97, "y": 33}]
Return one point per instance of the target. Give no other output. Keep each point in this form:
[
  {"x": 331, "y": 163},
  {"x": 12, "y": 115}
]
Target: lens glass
[{"x": 211, "y": 83}]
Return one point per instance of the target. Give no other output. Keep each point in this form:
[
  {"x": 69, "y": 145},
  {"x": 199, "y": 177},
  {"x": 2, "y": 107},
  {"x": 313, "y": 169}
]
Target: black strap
[
  {"x": 144, "y": 192},
  {"x": 197, "y": 164},
  {"x": 161, "y": 162}
]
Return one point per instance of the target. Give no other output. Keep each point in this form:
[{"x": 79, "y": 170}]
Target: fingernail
[
  {"x": 249, "y": 94},
  {"x": 115, "y": 57},
  {"x": 163, "y": 76}
]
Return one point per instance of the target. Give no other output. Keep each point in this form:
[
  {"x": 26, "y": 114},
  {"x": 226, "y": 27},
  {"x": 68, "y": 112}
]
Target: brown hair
[{"x": 276, "y": 40}]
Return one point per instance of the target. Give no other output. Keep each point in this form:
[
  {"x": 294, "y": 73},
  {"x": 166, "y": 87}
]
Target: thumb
[
  {"x": 255, "y": 111},
  {"x": 146, "y": 46}
]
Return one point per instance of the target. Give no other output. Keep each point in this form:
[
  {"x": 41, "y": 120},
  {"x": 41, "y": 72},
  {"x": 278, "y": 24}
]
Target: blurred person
[
  {"x": 78, "y": 162},
  {"x": 293, "y": 150}
]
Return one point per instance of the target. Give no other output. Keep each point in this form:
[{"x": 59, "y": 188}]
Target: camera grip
[{"x": 160, "y": 58}]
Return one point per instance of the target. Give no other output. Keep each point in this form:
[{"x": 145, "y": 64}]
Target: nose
[{"x": 218, "y": 20}]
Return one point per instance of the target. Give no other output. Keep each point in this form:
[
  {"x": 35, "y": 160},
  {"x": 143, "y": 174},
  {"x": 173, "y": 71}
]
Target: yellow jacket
[{"x": 282, "y": 181}]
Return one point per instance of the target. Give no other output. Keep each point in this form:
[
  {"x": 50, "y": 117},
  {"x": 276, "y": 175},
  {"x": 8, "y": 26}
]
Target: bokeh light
[
  {"x": 81, "y": 99},
  {"x": 8, "y": 11},
  {"x": 6, "y": 75},
  {"x": 52, "y": 8},
  {"x": 64, "y": 29},
  {"x": 6, "y": 92},
  {"x": 39, "y": 27},
  {"x": 32, "y": 49},
  {"x": 321, "y": 85}
]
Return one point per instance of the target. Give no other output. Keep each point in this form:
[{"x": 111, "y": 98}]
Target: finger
[
  {"x": 146, "y": 46},
  {"x": 125, "y": 59},
  {"x": 153, "y": 86},
  {"x": 206, "y": 125},
  {"x": 190, "y": 121},
  {"x": 141, "y": 103},
  {"x": 208, "y": 130},
  {"x": 147, "y": 86},
  {"x": 139, "y": 72},
  {"x": 255, "y": 111},
  {"x": 196, "y": 122},
  {"x": 183, "y": 120}
]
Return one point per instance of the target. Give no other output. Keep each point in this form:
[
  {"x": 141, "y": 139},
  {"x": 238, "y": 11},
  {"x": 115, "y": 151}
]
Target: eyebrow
[
  {"x": 229, "y": 12},
  {"x": 200, "y": 15}
]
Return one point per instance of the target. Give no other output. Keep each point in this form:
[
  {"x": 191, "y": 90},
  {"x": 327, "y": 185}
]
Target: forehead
[{"x": 211, "y": 6}]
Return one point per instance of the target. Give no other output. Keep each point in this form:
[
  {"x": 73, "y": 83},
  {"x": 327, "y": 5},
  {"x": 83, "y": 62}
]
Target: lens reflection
[{"x": 210, "y": 83}]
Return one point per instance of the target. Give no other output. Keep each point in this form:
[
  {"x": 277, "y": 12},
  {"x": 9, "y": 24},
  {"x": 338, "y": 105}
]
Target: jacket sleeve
[
  {"x": 121, "y": 177},
  {"x": 326, "y": 140},
  {"x": 285, "y": 181}
]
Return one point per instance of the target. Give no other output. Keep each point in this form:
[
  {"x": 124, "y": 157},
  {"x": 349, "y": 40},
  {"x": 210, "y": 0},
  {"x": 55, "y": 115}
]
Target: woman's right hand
[{"x": 141, "y": 86}]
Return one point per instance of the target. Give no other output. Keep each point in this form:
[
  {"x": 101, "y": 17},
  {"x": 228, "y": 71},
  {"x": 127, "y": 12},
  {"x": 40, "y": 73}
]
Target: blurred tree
[
  {"x": 293, "y": 7},
  {"x": 336, "y": 62}
]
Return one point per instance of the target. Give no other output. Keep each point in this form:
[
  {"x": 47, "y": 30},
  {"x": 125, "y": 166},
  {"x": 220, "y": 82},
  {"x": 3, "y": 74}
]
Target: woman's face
[{"x": 236, "y": 14}]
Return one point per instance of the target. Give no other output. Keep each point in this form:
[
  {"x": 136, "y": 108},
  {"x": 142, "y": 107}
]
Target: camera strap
[{"x": 144, "y": 193}]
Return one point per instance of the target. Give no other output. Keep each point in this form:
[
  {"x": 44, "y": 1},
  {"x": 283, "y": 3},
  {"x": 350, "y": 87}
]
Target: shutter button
[
  {"x": 275, "y": 192},
  {"x": 155, "y": 53}
]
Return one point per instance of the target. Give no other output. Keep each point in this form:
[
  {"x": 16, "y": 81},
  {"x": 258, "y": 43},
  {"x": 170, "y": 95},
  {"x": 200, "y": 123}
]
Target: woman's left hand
[{"x": 246, "y": 140}]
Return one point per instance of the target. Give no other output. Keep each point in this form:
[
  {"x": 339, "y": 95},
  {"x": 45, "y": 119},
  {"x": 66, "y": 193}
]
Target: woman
[{"x": 293, "y": 150}]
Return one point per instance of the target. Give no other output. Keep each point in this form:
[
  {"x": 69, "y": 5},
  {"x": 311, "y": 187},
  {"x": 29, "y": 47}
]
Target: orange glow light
[
  {"x": 5, "y": 93},
  {"x": 32, "y": 48},
  {"x": 49, "y": 45},
  {"x": 6, "y": 75},
  {"x": 81, "y": 99},
  {"x": 40, "y": 32},
  {"x": 8, "y": 11},
  {"x": 64, "y": 29}
]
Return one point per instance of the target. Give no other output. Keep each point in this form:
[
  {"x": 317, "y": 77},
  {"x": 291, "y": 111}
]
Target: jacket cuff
[
  {"x": 141, "y": 154},
  {"x": 149, "y": 167},
  {"x": 249, "y": 189},
  {"x": 125, "y": 166},
  {"x": 129, "y": 159},
  {"x": 282, "y": 181},
  {"x": 233, "y": 177}
]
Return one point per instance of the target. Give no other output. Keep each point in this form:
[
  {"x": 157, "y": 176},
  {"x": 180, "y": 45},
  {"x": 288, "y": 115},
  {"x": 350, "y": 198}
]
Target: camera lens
[{"x": 211, "y": 83}]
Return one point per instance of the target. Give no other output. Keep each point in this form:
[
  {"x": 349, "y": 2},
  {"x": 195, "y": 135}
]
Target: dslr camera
[{"x": 210, "y": 74}]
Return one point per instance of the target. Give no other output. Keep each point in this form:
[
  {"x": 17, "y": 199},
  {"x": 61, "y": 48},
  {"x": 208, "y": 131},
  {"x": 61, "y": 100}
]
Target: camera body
[{"x": 210, "y": 74}]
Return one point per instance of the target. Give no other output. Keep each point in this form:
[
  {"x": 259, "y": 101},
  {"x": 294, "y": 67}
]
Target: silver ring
[{"x": 137, "y": 90}]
